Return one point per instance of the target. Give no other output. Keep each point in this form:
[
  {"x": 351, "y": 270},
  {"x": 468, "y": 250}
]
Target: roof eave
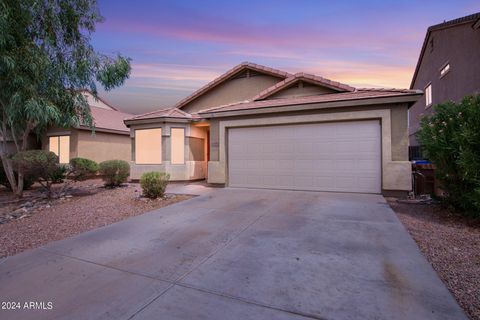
[
  {"x": 130, "y": 122},
  {"x": 403, "y": 98},
  {"x": 104, "y": 130}
]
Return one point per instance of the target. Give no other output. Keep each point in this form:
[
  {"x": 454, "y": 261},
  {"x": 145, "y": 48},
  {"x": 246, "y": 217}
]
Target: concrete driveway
[{"x": 235, "y": 254}]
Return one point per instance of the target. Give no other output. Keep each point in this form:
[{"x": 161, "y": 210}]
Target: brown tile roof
[
  {"x": 301, "y": 76},
  {"x": 242, "y": 66},
  {"x": 333, "y": 97},
  {"x": 108, "y": 119},
  {"x": 473, "y": 18},
  {"x": 163, "y": 113}
]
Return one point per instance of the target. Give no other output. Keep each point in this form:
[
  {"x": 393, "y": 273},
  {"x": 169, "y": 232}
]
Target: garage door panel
[{"x": 342, "y": 156}]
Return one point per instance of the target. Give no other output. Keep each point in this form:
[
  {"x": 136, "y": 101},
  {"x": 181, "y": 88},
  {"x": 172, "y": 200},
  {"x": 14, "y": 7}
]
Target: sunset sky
[{"x": 178, "y": 46}]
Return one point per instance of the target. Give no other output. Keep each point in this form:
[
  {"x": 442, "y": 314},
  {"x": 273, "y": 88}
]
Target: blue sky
[{"x": 178, "y": 46}]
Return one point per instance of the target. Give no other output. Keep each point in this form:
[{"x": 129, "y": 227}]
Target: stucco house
[
  {"x": 448, "y": 68},
  {"x": 110, "y": 140},
  {"x": 259, "y": 127}
]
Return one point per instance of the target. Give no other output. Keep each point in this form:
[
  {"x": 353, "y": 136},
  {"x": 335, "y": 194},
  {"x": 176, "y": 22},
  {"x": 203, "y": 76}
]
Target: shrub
[
  {"x": 58, "y": 175},
  {"x": 114, "y": 172},
  {"x": 154, "y": 184},
  {"x": 82, "y": 169},
  {"x": 451, "y": 140},
  {"x": 41, "y": 165},
  {"x": 28, "y": 180}
]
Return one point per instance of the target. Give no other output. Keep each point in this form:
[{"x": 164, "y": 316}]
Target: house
[
  {"x": 448, "y": 68},
  {"x": 110, "y": 140},
  {"x": 259, "y": 127}
]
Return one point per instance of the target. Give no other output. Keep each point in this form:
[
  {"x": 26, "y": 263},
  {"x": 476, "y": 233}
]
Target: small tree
[
  {"x": 154, "y": 184},
  {"x": 114, "y": 172},
  {"x": 451, "y": 140},
  {"x": 45, "y": 60},
  {"x": 40, "y": 164},
  {"x": 28, "y": 181}
]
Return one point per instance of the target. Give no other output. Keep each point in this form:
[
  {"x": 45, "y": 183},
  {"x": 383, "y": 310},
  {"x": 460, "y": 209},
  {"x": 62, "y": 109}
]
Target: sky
[{"x": 178, "y": 46}]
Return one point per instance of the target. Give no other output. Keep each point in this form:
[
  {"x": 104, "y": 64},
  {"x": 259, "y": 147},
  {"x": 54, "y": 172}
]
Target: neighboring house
[
  {"x": 110, "y": 140},
  {"x": 448, "y": 68},
  {"x": 259, "y": 127}
]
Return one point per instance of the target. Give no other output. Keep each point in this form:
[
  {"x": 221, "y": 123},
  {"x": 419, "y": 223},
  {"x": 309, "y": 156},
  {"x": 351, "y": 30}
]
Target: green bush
[
  {"x": 59, "y": 174},
  {"x": 451, "y": 140},
  {"x": 82, "y": 169},
  {"x": 114, "y": 172},
  {"x": 41, "y": 165},
  {"x": 38, "y": 163},
  {"x": 28, "y": 180},
  {"x": 154, "y": 184}
]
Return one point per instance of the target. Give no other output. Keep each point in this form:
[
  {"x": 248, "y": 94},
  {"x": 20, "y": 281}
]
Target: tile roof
[
  {"x": 301, "y": 76},
  {"x": 108, "y": 119},
  {"x": 163, "y": 113},
  {"x": 474, "y": 18},
  {"x": 228, "y": 74},
  {"x": 333, "y": 97}
]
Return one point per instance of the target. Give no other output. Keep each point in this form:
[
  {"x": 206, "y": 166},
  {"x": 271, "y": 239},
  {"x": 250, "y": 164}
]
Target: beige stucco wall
[
  {"x": 98, "y": 147},
  {"x": 102, "y": 146},
  {"x": 193, "y": 168},
  {"x": 396, "y": 170},
  {"x": 301, "y": 90},
  {"x": 233, "y": 90}
]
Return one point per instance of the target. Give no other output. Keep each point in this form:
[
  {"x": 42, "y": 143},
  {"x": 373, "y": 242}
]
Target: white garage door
[{"x": 340, "y": 156}]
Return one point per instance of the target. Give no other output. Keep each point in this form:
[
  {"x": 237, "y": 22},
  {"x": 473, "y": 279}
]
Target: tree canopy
[{"x": 46, "y": 59}]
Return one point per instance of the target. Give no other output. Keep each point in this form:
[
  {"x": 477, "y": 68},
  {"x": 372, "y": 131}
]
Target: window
[
  {"x": 177, "y": 142},
  {"x": 445, "y": 70},
  {"x": 148, "y": 146},
  {"x": 60, "y": 145},
  {"x": 428, "y": 96}
]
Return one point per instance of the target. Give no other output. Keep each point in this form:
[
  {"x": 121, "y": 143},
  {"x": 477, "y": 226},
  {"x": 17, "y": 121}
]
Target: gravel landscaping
[
  {"x": 451, "y": 244},
  {"x": 35, "y": 221}
]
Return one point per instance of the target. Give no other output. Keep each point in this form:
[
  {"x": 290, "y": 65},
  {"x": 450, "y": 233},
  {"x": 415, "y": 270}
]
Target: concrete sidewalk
[{"x": 235, "y": 254}]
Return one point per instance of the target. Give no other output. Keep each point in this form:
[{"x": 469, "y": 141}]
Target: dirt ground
[
  {"x": 451, "y": 244},
  {"x": 86, "y": 206}
]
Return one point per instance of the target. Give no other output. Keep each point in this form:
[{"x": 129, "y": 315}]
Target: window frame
[
  {"x": 444, "y": 66},
  {"x": 172, "y": 146},
  {"x": 428, "y": 95},
  {"x": 137, "y": 145},
  {"x": 58, "y": 152}
]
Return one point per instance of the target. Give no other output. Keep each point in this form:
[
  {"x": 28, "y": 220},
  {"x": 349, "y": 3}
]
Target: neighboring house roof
[
  {"x": 89, "y": 93},
  {"x": 229, "y": 74},
  {"x": 163, "y": 113},
  {"x": 475, "y": 18},
  {"x": 359, "y": 94},
  {"x": 306, "y": 77},
  {"x": 108, "y": 120}
]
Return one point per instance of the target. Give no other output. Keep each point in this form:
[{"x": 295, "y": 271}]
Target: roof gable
[
  {"x": 96, "y": 101},
  {"x": 232, "y": 73},
  {"x": 303, "y": 77},
  {"x": 473, "y": 18},
  {"x": 170, "y": 113}
]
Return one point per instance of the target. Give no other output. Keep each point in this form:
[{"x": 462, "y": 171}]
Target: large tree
[{"x": 46, "y": 59}]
